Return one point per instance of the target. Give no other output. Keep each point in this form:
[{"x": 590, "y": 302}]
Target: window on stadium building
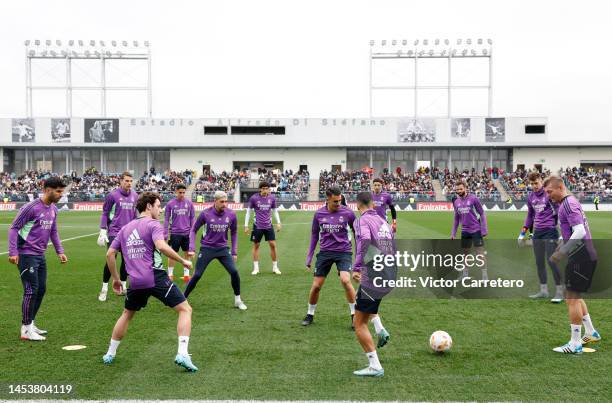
[
  {"x": 115, "y": 161},
  {"x": 138, "y": 162},
  {"x": 357, "y": 159},
  {"x": 160, "y": 160}
]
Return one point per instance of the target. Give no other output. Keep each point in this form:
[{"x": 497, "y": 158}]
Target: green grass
[{"x": 502, "y": 348}]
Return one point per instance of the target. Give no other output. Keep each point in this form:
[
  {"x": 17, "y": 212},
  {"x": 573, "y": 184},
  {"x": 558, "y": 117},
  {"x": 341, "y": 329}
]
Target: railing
[{"x": 396, "y": 196}]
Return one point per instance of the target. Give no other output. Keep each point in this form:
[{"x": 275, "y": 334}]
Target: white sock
[
  {"x": 124, "y": 284},
  {"x": 274, "y": 265},
  {"x": 256, "y": 266},
  {"x": 311, "y": 309},
  {"x": 112, "y": 348},
  {"x": 183, "y": 344},
  {"x": 185, "y": 272},
  {"x": 485, "y": 274},
  {"x": 30, "y": 327},
  {"x": 560, "y": 290},
  {"x": 237, "y": 299},
  {"x": 352, "y": 308},
  {"x": 373, "y": 359},
  {"x": 171, "y": 271},
  {"x": 466, "y": 273},
  {"x": 378, "y": 326},
  {"x": 576, "y": 335},
  {"x": 586, "y": 321},
  {"x": 544, "y": 288},
  {"x": 104, "y": 286}
]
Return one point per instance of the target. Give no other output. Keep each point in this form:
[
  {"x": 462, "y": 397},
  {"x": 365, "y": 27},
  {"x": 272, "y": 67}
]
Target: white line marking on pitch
[{"x": 64, "y": 240}]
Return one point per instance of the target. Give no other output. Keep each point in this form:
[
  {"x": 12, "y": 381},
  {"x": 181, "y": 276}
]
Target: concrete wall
[
  {"x": 554, "y": 158},
  {"x": 222, "y": 159}
]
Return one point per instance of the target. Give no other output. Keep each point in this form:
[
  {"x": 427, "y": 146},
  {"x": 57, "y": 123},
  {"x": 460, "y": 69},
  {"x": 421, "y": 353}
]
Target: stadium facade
[{"x": 114, "y": 145}]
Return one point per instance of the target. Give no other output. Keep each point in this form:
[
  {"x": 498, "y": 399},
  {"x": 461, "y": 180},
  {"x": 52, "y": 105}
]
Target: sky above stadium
[{"x": 292, "y": 59}]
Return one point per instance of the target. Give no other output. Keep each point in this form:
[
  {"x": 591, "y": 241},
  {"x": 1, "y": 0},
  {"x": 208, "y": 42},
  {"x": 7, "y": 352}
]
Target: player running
[
  {"x": 381, "y": 201},
  {"x": 542, "y": 217},
  {"x": 264, "y": 205},
  {"x": 471, "y": 216},
  {"x": 371, "y": 230},
  {"x": 581, "y": 263},
  {"x": 179, "y": 216},
  {"x": 28, "y": 237},
  {"x": 218, "y": 220},
  {"x": 142, "y": 243},
  {"x": 118, "y": 210},
  {"x": 331, "y": 223}
]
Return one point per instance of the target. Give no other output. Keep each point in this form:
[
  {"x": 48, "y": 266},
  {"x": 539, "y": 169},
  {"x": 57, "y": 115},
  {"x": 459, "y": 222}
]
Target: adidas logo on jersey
[
  {"x": 384, "y": 232},
  {"x": 134, "y": 239}
]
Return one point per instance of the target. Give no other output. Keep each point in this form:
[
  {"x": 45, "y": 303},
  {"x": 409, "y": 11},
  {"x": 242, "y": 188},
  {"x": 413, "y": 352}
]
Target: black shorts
[
  {"x": 164, "y": 290},
  {"x": 178, "y": 241},
  {"x": 267, "y": 233},
  {"x": 579, "y": 271},
  {"x": 469, "y": 239},
  {"x": 326, "y": 259},
  {"x": 366, "y": 302}
]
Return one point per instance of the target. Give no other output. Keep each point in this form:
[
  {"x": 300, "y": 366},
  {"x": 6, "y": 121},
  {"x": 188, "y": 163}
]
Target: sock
[
  {"x": 466, "y": 273},
  {"x": 104, "y": 286},
  {"x": 485, "y": 274},
  {"x": 378, "y": 326},
  {"x": 559, "y": 291},
  {"x": 183, "y": 344},
  {"x": 185, "y": 272},
  {"x": 311, "y": 309},
  {"x": 373, "y": 359},
  {"x": 275, "y": 265},
  {"x": 124, "y": 285},
  {"x": 171, "y": 270},
  {"x": 586, "y": 321},
  {"x": 237, "y": 299},
  {"x": 112, "y": 348},
  {"x": 30, "y": 327},
  {"x": 576, "y": 329},
  {"x": 544, "y": 288},
  {"x": 352, "y": 307},
  {"x": 256, "y": 266}
]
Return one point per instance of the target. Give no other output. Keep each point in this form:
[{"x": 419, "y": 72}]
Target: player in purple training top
[
  {"x": 371, "y": 232},
  {"x": 471, "y": 216},
  {"x": 541, "y": 220},
  {"x": 179, "y": 216},
  {"x": 331, "y": 224},
  {"x": 581, "y": 263},
  {"x": 219, "y": 219},
  {"x": 264, "y": 205},
  {"x": 28, "y": 237},
  {"x": 381, "y": 201},
  {"x": 119, "y": 209},
  {"x": 142, "y": 244}
]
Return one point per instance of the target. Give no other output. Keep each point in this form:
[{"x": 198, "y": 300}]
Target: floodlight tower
[
  {"x": 87, "y": 50},
  {"x": 433, "y": 49}
]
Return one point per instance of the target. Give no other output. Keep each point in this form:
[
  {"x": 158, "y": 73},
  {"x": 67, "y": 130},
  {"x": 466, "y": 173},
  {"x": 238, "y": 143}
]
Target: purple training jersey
[
  {"x": 471, "y": 216},
  {"x": 179, "y": 216},
  {"x": 541, "y": 211},
  {"x": 333, "y": 229},
  {"x": 371, "y": 230},
  {"x": 136, "y": 241},
  {"x": 215, "y": 233},
  {"x": 381, "y": 201},
  {"x": 263, "y": 210},
  {"x": 571, "y": 214},
  {"x": 118, "y": 210},
  {"x": 31, "y": 230}
]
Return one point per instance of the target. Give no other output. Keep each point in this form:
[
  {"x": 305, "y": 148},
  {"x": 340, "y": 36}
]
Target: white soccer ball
[{"x": 440, "y": 341}]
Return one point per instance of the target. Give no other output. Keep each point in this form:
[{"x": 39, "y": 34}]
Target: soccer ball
[{"x": 440, "y": 341}]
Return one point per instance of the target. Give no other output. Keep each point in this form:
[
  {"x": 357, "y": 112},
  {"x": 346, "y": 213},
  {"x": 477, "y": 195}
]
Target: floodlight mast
[
  {"x": 438, "y": 49},
  {"x": 75, "y": 50}
]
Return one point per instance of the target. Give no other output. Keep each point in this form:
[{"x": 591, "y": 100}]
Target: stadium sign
[
  {"x": 314, "y": 206},
  {"x": 434, "y": 206},
  {"x": 87, "y": 206},
  {"x": 8, "y": 206}
]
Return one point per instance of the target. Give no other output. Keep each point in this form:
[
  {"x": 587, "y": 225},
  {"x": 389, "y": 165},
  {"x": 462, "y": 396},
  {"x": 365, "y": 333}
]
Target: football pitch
[{"x": 502, "y": 348}]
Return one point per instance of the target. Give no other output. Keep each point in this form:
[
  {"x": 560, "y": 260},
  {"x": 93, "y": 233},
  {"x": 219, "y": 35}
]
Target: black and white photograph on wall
[
  {"x": 416, "y": 131},
  {"x": 24, "y": 130},
  {"x": 495, "y": 130},
  {"x": 101, "y": 130},
  {"x": 461, "y": 128},
  {"x": 60, "y": 130}
]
